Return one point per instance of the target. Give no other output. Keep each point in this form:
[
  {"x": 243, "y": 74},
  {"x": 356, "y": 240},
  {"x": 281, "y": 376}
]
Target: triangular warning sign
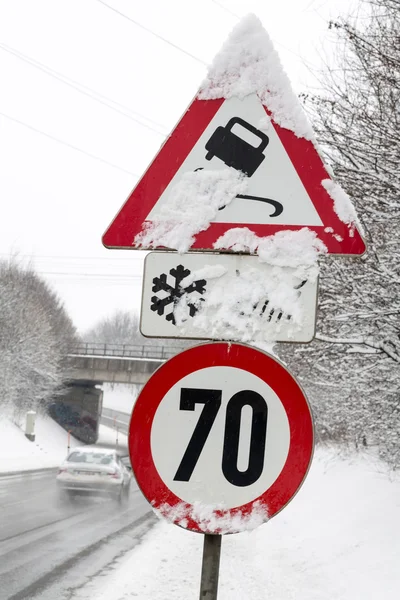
[{"x": 287, "y": 185}]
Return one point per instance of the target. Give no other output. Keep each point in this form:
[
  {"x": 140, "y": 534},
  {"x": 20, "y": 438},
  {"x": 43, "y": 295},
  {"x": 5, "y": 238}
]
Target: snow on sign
[
  {"x": 242, "y": 156},
  {"x": 225, "y": 296},
  {"x": 220, "y": 438}
]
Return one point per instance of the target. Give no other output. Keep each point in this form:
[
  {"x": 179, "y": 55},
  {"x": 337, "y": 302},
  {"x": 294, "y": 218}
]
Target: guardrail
[
  {"x": 125, "y": 350},
  {"x": 115, "y": 419}
]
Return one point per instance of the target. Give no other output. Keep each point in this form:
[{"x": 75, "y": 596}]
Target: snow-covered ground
[
  {"x": 337, "y": 540},
  {"x": 49, "y": 449},
  {"x": 17, "y": 453},
  {"x": 120, "y": 397}
]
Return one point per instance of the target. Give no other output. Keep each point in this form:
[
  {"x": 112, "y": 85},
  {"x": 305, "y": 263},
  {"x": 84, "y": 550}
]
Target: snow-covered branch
[
  {"x": 385, "y": 347},
  {"x": 353, "y": 372},
  {"x": 34, "y": 332}
]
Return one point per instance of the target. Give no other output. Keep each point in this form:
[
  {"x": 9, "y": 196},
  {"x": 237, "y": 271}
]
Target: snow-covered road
[{"x": 48, "y": 550}]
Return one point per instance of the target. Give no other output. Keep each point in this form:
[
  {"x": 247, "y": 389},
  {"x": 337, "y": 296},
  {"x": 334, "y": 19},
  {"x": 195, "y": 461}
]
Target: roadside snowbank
[
  {"x": 337, "y": 540},
  {"x": 17, "y": 453},
  {"x": 48, "y": 450}
]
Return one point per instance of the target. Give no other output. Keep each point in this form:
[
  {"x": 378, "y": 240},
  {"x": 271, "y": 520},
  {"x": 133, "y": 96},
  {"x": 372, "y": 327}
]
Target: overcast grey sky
[{"x": 60, "y": 189}]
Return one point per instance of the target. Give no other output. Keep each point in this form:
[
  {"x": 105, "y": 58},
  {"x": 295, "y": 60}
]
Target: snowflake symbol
[{"x": 175, "y": 292}]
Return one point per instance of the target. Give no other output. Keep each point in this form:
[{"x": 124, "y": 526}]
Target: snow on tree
[
  {"x": 121, "y": 327},
  {"x": 35, "y": 332},
  {"x": 353, "y": 371}
]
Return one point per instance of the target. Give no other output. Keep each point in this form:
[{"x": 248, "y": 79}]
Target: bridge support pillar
[{"x": 78, "y": 410}]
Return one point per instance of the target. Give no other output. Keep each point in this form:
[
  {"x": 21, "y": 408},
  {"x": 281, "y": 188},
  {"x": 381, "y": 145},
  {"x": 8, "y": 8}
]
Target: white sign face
[
  {"x": 275, "y": 193},
  {"x": 225, "y": 297},
  {"x": 220, "y": 438},
  {"x": 220, "y": 435}
]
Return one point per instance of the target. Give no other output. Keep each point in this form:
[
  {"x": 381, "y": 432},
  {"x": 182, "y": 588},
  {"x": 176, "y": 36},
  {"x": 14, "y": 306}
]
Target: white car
[{"x": 93, "y": 471}]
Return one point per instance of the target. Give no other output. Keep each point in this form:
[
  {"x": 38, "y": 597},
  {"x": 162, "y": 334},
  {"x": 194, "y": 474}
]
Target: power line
[
  {"x": 62, "y": 268},
  {"x": 57, "y": 258},
  {"x": 84, "y": 278},
  {"x": 93, "y": 283},
  {"x": 110, "y": 276},
  {"x": 199, "y": 60},
  {"x": 55, "y": 267},
  {"x": 82, "y": 85},
  {"x": 55, "y": 139},
  {"x": 74, "y": 84},
  {"x": 226, "y": 9}
]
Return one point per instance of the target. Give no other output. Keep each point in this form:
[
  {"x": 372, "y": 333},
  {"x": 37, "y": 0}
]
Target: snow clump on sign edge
[
  {"x": 236, "y": 305},
  {"x": 298, "y": 250},
  {"x": 248, "y": 64},
  {"x": 342, "y": 204},
  {"x": 214, "y": 519},
  {"x": 194, "y": 202}
]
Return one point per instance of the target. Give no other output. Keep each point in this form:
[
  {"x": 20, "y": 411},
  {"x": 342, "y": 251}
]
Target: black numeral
[
  {"x": 212, "y": 402},
  {"x": 232, "y": 436}
]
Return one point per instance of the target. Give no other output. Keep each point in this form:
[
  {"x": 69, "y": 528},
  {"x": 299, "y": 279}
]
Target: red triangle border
[{"x": 306, "y": 160}]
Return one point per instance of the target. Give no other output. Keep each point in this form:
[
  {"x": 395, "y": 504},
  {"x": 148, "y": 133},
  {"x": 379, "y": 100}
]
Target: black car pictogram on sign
[{"x": 233, "y": 150}]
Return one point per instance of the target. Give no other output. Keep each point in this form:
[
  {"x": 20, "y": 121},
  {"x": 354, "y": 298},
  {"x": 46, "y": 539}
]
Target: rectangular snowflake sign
[{"x": 226, "y": 297}]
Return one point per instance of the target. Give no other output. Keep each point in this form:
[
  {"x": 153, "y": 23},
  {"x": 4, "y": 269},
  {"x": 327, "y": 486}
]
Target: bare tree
[
  {"x": 122, "y": 327},
  {"x": 353, "y": 371}
]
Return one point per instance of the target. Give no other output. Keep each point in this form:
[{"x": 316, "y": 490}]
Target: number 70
[{"x": 212, "y": 403}]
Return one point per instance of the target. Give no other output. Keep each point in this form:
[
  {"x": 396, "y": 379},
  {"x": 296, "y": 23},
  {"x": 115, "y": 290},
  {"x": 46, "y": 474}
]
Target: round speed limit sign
[{"x": 221, "y": 438}]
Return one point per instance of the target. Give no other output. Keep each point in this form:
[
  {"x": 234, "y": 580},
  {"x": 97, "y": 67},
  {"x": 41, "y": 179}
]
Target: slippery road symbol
[
  {"x": 277, "y": 205},
  {"x": 235, "y": 152}
]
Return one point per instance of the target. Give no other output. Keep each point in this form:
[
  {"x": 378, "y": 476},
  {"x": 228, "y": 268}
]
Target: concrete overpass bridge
[
  {"x": 93, "y": 364},
  {"x": 87, "y": 366}
]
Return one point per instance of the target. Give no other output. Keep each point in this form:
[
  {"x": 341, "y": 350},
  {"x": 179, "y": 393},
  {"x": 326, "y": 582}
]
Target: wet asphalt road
[{"x": 49, "y": 550}]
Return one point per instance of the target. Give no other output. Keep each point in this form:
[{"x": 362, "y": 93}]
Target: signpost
[
  {"x": 221, "y": 436},
  {"x": 220, "y": 440}
]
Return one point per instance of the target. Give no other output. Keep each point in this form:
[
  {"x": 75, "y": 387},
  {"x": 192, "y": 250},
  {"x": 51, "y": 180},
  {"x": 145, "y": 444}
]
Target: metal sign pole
[{"x": 210, "y": 567}]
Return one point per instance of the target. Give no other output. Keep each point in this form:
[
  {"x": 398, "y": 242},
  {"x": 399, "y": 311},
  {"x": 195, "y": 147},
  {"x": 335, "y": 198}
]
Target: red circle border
[{"x": 240, "y": 356}]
